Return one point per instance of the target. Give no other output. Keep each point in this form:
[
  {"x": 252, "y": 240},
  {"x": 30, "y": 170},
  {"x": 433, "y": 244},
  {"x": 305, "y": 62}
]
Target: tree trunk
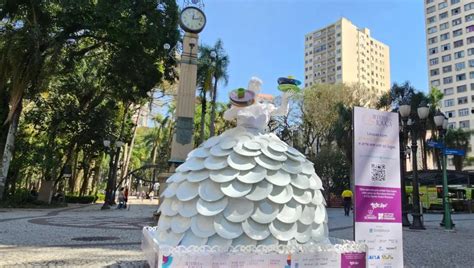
[
  {"x": 97, "y": 173},
  {"x": 213, "y": 109},
  {"x": 72, "y": 179},
  {"x": 9, "y": 149},
  {"x": 203, "y": 115},
  {"x": 85, "y": 181}
]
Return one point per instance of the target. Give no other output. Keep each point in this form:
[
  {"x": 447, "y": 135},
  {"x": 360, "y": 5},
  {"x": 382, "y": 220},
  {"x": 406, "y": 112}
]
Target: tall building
[
  {"x": 344, "y": 53},
  {"x": 450, "y": 57}
]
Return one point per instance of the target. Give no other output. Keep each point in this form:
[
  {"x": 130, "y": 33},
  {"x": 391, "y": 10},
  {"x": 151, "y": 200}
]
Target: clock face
[{"x": 192, "y": 19}]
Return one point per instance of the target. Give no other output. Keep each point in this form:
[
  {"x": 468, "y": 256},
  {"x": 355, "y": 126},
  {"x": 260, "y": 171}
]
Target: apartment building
[
  {"x": 343, "y": 53},
  {"x": 450, "y": 57}
]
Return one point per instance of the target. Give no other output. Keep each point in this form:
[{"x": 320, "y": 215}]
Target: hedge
[{"x": 87, "y": 199}]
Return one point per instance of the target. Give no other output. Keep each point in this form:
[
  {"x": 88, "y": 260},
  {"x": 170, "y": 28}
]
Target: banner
[{"x": 377, "y": 208}]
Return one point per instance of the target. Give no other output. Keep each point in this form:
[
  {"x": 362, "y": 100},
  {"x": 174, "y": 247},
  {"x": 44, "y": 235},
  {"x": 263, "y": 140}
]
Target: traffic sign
[
  {"x": 450, "y": 151},
  {"x": 434, "y": 144}
]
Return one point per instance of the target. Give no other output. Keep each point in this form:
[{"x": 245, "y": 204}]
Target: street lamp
[
  {"x": 114, "y": 152},
  {"x": 404, "y": 111},
  {"x": 415, "y": 126},
  {"x": 441, "y": 122}
]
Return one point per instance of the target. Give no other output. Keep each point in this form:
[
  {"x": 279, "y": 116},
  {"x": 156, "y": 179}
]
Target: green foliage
[
  {"x": 458, "y": 139},
  {"x": 87, "y": 199}
]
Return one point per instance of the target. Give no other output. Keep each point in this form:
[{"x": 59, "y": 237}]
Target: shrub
[
  {"x": 87, "y": 199},
  {"x": 100, "y": 197}
]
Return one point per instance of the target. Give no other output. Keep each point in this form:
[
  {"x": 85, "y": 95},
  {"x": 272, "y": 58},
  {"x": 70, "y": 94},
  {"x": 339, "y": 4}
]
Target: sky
[{"x": 265, "y": 38}]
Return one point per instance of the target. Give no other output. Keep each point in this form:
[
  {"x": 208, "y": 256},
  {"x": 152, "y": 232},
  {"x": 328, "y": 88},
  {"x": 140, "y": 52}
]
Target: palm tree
[
  {"x": 458, "y": 139},
  {"x": 204, "y": 82},
  {"x": 220, "y": 63}
]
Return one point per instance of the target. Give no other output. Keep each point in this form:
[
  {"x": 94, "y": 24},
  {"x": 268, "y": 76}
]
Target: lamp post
[
  {"x": 404, "y": 113},
  {"x": 114, "y": 152},
  {"x": 442, "y": 124},
  {"x": 417, "y": 122}
]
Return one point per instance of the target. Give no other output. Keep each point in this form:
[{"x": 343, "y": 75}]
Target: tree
[
  {"x": 204, "y": 82},
  {"x": 458, "y": 139},
  {"x": 219, "y": 74}
]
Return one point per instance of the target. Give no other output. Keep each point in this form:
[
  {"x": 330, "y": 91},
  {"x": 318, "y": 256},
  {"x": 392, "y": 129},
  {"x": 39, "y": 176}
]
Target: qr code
[{"x": 377, "y": 172}]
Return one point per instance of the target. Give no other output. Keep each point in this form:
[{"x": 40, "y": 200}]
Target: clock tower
[{"x": 192, "y": 21}]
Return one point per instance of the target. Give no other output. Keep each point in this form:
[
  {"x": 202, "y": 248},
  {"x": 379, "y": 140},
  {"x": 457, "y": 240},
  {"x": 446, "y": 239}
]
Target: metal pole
[
  {"x": 405, "y": 220},
  {"x": 417, "y": 222},
  {"x": 448, "y": 224}
]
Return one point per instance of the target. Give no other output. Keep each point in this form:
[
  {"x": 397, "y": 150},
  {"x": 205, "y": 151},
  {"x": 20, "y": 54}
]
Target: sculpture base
[{"x": 329, "y": 253}]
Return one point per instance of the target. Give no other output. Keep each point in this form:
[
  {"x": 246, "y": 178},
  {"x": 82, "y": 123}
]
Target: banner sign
[{"x": 377, "y": 208}]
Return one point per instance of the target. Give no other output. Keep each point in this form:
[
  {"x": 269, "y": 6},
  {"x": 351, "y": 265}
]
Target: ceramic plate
[
  {"x": 260, "y": 191},
  {"x": 268, "y": 163},
  {"x": 291, "y": 166},
  {"x": 265, "y": 212},
  {"x": 227, "y": 143},
  {"x": 195, "y": 164},
  {"x": 226, "y": 229},
  {"x": 273, "y": 154},
  {"x": 169, "y": 238},
  {"x": 281, "y": 195},
  {"x": 303, "y": 233},
  {"x": 302, "y": 196},
  {"x": 211, "y": 208},
  {"x": 199, "y": 152},
  {"x": 170, "y": 190},
  {"x": 283, "y": 231},
  {"x": 294, "y": 152},
  {"x": 189, "y": 208},
  {"x": 316, "y": 182},
  {"x": 255, "y": 230},
  {"x": 180, "y": 224},
  {"x": 210, "y": 191},
  {"x": 197, "y": 176},
  {"x": 290, "y": 212},
  {"x": 319, "y": 231},
  {"x": 221, "y": 242},
  {"x": 238, "y": 210},
  {"x": 308, "y": 168},
  {"x": 254, "y": 175},
  {"x": 218, "y": 151},
  {"x": 215, "y": 163},
  {"x": 240, "y": 162},
  {"x": 278, "y": 146},
  {"x": 317, "y": 198},
  {"x": 187, "y": 191},
  {"x": 252, "y": 145},
  {"x": 166, "y": 207},
  {"x": 211, "y": 142},
  {"x": 223, "y": 175},
  {"x": 270, "y": 240},
  {"x": 278, "y": 177},
  {"x": 235, "y": 188},
  {"x": 239, "y": 149},
  {"x": 307, "y": 216},
  {"x": 164, "y": 223},
  {"x": 300, "y": 181},
  {"x": 320, "y": 214},
  {"x": 203, "y": 226},
  {"x": 190, "y": 239},
  {"x": 244, "y": 240}
]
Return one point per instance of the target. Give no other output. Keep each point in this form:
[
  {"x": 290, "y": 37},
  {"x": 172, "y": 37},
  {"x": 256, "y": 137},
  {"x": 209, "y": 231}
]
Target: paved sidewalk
[{"x": 85, "y": 236}]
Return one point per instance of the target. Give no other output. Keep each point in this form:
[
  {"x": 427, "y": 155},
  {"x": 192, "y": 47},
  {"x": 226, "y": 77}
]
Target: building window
[
  {"x": 443, "y": 15},
  {"x": 463, "y": 112},
  {"x": 445, "y": 47},
  {"x": 459, "y": 54},
  {"x": 464, "y": 124},
  {"x": 468, "y": 6},
  {"x": 470, "y": 51},
  {"x": 433, "y": 40},
  {"x": 460, "y": 77},
  {"x": 446, "y": 58},
  {"x": 451, "y": 114},
  {"x": 462, "y": 100},
  {"x": 471, "y": 63},
  {"x": 447, "y": 69},
  {"x": 458, "y": 43},
  {"x": 448, "y": 91},
  {"x": 447, "y": 80},
  {"x": 443, "y": 26},
  {"x": 442, "y": 5},
  {"x": 434, "y": 72},
  {"x": 471, "y": 75},
  {"x": 435, "y": 83},
  {"x": 457, "y": 32},
  {"x": 461, "y": 89},
  {"x": 455, "y": 11},
  {"x": 452, "y": 125},
  {"x": 459, "y": 66},
  {"x": 472, "y": 86},
  {"x": 434, "y": 61},
  {"x": 433, "y": 50},
  {"x": 470, "y": 29},
  {"x": 469, "y": 17},
  {"x": 449, "y": 103},
  {"x": 444, "y": 37},
  {"x": 456, "y": 22},
  {"x": 433, "y": 29},
  {"x": 431, "y": 19},
  {"x": 454, "y": 2},
  {"x": 470, "y": 40},
  {"x": 429, "y": 1}
]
